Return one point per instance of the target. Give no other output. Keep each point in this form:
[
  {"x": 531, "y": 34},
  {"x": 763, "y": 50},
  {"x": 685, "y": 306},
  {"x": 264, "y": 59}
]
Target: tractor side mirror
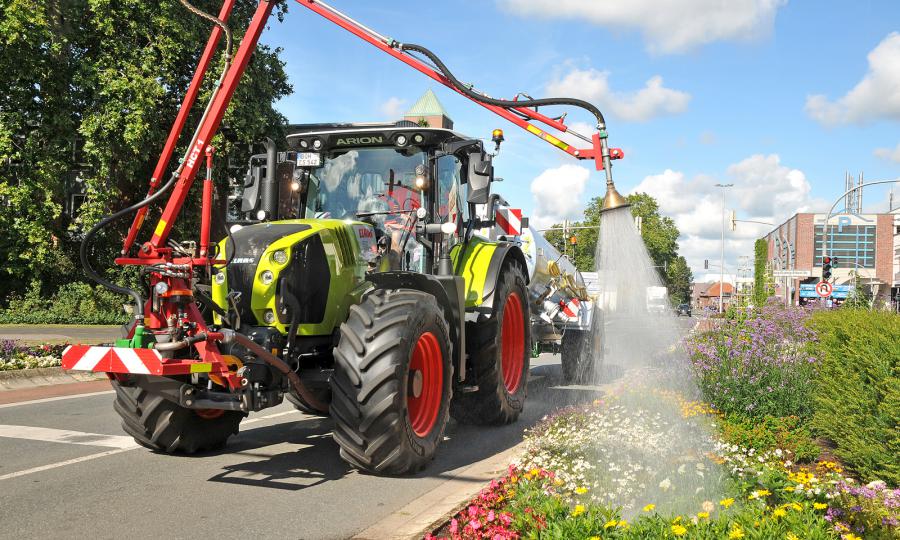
[{"x": 481, "y": 174}]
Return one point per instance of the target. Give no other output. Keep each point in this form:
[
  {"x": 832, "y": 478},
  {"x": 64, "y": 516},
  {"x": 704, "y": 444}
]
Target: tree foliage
[
  {"x": 90, "y": 90},
  {"x": 760, "y": 285},
  {"x": 660, "y": 235}
]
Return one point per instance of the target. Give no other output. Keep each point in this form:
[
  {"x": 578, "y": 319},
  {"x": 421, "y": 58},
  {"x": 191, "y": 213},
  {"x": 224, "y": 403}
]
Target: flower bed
[
  {"x": 763, "y": 494},
  {"x": 15, "y": 355}
]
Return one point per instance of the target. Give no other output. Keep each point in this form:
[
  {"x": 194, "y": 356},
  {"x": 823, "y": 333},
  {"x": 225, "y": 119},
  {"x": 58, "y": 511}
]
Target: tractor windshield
[{"x": 367, "y": 182}]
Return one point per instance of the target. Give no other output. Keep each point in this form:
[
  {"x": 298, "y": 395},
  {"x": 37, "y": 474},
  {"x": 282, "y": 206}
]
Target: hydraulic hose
[
  {"x": 278, "y": 364},
  {"x": 504, "y": 103},
  {"x": 83, "y": 252}
]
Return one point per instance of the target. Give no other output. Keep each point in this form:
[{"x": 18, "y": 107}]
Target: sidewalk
[{"x": 60, "y": 333}]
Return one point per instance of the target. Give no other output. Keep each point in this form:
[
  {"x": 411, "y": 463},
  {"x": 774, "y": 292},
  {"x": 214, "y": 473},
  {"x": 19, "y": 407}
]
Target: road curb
[
  {"x": 436, "y": 507},
  {"x": 27, "y": 378}
]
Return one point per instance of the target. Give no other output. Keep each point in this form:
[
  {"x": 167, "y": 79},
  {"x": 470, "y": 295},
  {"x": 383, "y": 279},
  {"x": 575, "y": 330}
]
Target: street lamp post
[{"x": 722, "y": 260}]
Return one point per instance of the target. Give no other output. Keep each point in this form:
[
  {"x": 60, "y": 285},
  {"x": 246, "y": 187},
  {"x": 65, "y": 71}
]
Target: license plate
[{"x": 309, "y": 159}]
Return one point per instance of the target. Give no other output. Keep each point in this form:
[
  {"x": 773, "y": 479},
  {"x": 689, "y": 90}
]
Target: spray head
[{"x": 613, "y": 199}]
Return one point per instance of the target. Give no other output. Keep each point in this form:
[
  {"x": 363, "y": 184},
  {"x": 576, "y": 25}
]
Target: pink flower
[{"x": 490, "y": 516}]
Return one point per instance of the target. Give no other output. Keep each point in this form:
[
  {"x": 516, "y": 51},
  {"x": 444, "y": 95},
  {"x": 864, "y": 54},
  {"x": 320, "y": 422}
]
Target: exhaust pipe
[{"x": 269, "y": 196}]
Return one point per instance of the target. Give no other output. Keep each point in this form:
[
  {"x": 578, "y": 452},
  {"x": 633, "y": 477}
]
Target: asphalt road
[{"x": 68, "y": 471}]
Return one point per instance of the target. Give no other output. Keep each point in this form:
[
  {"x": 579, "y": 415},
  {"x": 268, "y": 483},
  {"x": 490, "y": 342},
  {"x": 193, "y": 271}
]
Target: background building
[{"x": 864, "y": 245}]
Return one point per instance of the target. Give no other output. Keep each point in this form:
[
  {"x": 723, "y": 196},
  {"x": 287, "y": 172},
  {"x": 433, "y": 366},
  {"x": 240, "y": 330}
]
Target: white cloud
[
  {"x": 764, "y": 190},
  {"x": 592, "y": 85},
  {"x": 708, "y": 138},
  {"x": 891, "y": 154},
  {"x": 667, "y": 27},
  {"x": 393, "y": 108},
  {"x": 557, "y": 195},
  {"x": 876, "y": 96}
]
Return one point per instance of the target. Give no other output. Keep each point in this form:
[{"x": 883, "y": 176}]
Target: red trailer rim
[
  {"x": 512, "y": 347},
  {"x": 425, "y": 384}
]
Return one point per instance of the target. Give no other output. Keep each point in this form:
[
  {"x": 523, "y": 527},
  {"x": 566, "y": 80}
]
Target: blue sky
[{"x": 695, "y": 95}]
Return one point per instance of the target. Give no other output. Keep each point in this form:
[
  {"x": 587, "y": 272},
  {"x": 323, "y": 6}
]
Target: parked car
[{"x": 683, "y": 309}]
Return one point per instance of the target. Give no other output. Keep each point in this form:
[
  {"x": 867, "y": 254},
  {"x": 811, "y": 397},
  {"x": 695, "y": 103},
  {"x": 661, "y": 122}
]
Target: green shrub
[
  {"x": 769, "y": 433},
  {"x": 857, "y": 392},
  {"x": 73, "y": 303}
]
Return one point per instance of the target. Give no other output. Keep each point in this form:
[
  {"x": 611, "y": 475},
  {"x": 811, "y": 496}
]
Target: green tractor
[{"x": 352, "y": 256}]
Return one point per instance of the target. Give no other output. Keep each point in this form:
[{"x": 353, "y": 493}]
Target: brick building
[
  {"x": 429, "y": 111},
  {"x": 862, "y": 243}
]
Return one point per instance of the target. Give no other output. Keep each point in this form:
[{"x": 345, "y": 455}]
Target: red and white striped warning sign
[
  {"x": 509, "y": 221},
  {"x": 112, "y": 359},
  {"x": 571, "y": 308}
]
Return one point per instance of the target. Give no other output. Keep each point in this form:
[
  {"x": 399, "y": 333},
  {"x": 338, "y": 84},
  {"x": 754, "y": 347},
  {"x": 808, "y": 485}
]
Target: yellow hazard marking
[
  {"x": 201, "y": 367},
  {"x": 160, "y": 228},
  {"x": 547, "y": 137}
]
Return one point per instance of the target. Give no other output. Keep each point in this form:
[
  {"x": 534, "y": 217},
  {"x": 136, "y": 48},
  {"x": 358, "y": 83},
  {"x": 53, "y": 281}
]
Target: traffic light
[
  {"x": 826, "y": 267},
  {"x": 706, "y": 264}
]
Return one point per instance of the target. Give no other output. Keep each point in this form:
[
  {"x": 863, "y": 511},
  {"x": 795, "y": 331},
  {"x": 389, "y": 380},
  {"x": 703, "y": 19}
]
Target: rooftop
[{"x": 428, "y": 105}]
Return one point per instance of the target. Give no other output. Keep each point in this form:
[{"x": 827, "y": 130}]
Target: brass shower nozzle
[{"x": 613, "y": 199}]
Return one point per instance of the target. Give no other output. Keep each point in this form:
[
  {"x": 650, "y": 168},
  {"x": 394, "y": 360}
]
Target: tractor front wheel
[
  {"x": 165, "y": 426},
  {"x": 499, "y": 348},
  {"x": 392, "y": 382}
]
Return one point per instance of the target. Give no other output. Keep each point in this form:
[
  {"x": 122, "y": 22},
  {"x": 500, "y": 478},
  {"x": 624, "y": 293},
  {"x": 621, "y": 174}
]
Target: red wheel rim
[
  {"x": 425, "y": 384},
  {"x": 512, "y": 346},
  {"x": 209, "y": 414}
]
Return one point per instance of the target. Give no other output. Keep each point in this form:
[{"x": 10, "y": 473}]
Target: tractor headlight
[
  {"x": 161, "y": 287},
  {"x": 267, "y": 277},
  {"x": 269, "y": 316},
  {"x": 280, "y": 256},
  {"x": 220, "y": 278}
]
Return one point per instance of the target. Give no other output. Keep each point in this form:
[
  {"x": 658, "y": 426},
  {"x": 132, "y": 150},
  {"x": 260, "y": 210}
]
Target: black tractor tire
[
  {"x": 323, "y": 394},
  {"x": 164, "y": 426},
  {"x": 501, "y": 393},
  {"x": 379, "y": 421}
]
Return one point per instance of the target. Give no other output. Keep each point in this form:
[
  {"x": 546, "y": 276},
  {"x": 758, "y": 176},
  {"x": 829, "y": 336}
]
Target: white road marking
[
  {"x": 65, "y": 436},
  {"x": 57, "y": 398},
  {"x": 89, "y": 457},
  {"x": 64, "y": 463}
]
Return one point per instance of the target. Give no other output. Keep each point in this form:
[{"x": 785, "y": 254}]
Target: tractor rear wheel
[
  {"x": 165, "y": 426},
  {"x": 392, "y": 382},
  {"x": 499, "y": 354}
]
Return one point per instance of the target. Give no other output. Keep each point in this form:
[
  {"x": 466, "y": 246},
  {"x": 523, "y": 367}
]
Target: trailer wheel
[
  {"x": 581, "y": 354},
  {"x": 392, "y": 382},
  {"x": 499, "y": 349},
  {"x": 164, "y": 426}
]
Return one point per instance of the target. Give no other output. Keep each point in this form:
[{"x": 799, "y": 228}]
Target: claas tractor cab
[{"x": 352, "y": 258}]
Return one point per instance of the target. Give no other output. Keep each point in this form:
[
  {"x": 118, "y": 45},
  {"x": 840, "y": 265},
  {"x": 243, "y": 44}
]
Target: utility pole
[{"x": 722, "y": 260}]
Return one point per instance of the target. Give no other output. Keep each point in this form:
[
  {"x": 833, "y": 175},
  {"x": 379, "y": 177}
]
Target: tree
[
  {"x": 90, "y": 90},
  {"x": 760, "y": 285},
  {"x": 679, "y": 278}
]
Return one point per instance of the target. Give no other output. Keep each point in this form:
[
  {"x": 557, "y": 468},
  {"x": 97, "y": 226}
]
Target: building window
[{"x": 853, "y": 245}]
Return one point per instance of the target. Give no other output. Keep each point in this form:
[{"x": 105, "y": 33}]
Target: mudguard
[{"x": 479, "y": 263}]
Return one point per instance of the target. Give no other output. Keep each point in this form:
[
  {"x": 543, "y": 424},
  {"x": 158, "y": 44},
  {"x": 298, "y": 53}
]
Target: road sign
[
  {"x": 824, "y": 289},
  {"x": 838, "y": 292},
  {"x": 791, "y": 273}
]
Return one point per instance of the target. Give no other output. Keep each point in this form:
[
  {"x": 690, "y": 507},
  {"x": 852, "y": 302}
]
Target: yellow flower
[
  {"x": 779, "y": 512},
  {"x": 789, "y": 489},
  {"x": 726, "y": 502},
  {"x": 581, "y": 490},
  {"x": 820, "y": 506},
  {"x": 678, "y": 530},
  {"x": 649, "y": 507},
  {"x": 676, "y": 520},
  {"x": 623, "y": 524},
  {"x": 796, "y": 506},
  {"x": 736, "y": 533},
  {"x": 594, "y": 538},
  {"x": 791, "y": 536},
  {"x": 759, "y": 493},
  {"x": 851, "y": 536},
  {"x": 579, "y": 509},
  {"x": 703, "y": 515},
  {"x": 610, "y": 524}
]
